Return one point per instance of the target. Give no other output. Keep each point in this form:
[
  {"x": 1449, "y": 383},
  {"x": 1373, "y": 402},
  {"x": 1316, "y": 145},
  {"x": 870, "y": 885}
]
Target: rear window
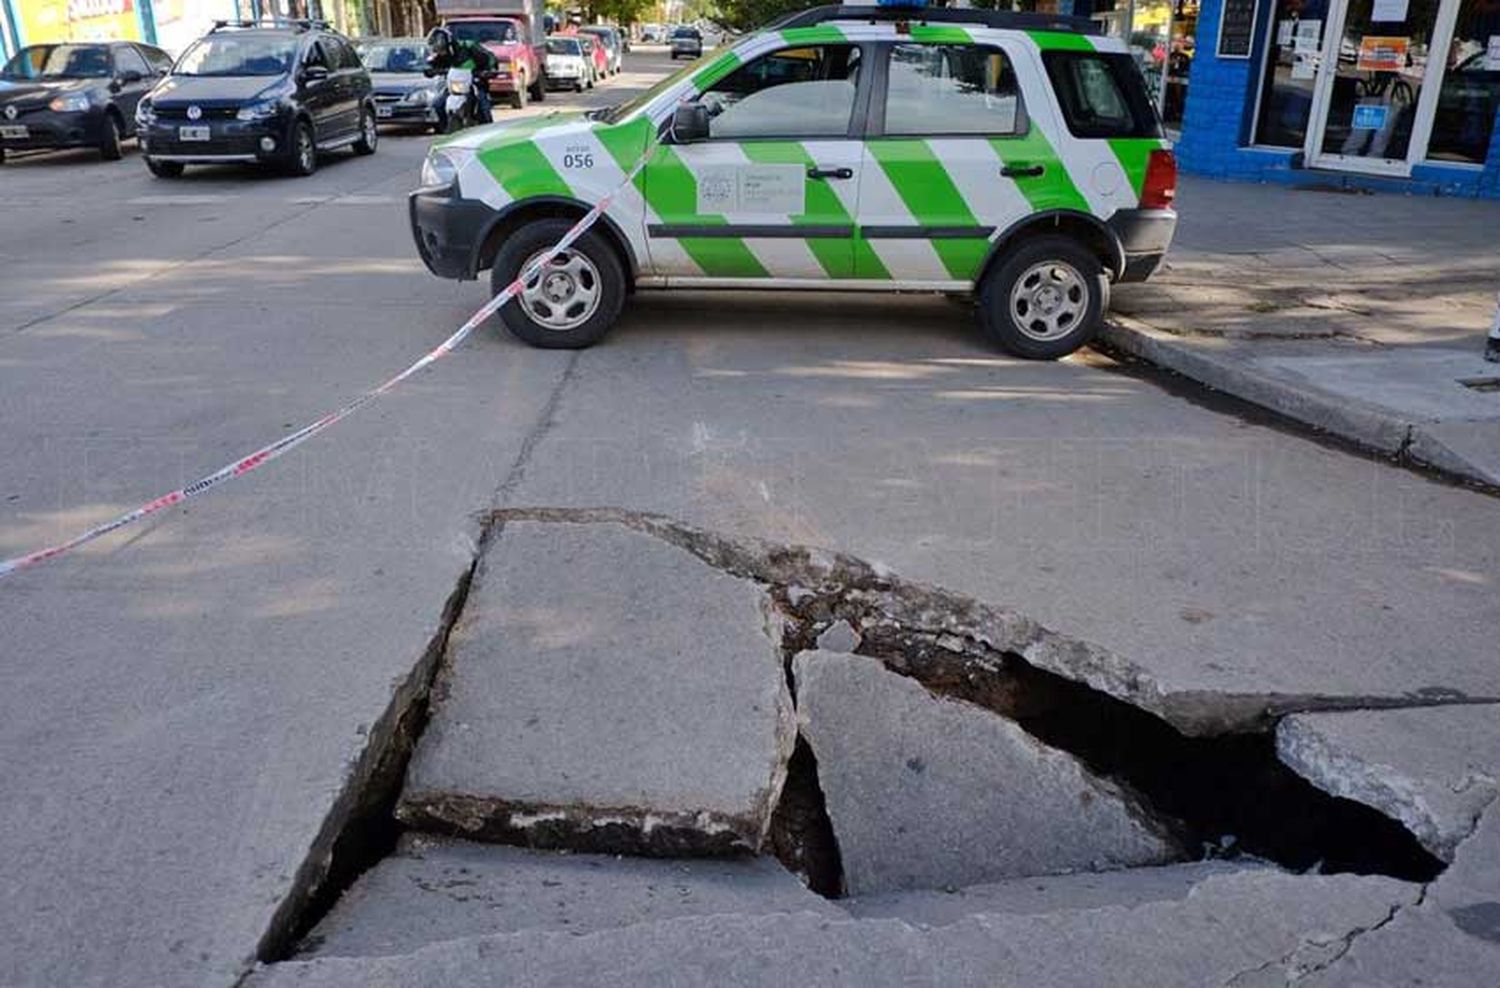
[{"x": 1102, "y": 94}]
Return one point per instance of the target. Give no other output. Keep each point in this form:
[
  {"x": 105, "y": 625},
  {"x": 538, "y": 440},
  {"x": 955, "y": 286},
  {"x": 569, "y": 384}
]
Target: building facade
[{"x": 1381, "y": 94}]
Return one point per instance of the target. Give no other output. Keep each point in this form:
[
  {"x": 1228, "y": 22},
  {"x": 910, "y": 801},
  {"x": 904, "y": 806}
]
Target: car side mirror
[
  {"x": 689, "y": 123},
  {"x": 314, "y": 73},
  {"x": 130, "y": 76}
]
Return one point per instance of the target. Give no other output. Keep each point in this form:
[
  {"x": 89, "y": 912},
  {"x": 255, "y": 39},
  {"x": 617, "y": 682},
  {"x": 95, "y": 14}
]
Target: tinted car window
[
  {"x": 686, "y": 32},
  {"x": 239, "y": 54},
  {"x": 127, "y": 59},
  {"x": 344, "y": 54},
  {"x": 395, "y": 58},
  {"x": 160, "y": 60},
  {"x": 1102, "y": 94},
  {"x": 951, "y": 89},
  {"x": 563, "y": 46},
  {"x": 494, "y": 32},
  {"x": 60, "y": 62}
]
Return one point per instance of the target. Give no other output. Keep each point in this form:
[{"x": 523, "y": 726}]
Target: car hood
[
  {"x": 29, "y": 91},
  {"x": 495, "y": 137},
  {"x": 400, "y": 82},
  {"x": 218, "y": 90}
]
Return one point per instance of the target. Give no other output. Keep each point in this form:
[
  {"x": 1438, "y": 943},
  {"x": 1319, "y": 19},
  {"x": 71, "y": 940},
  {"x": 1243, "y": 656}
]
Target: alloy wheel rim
[
  {"x": 1049, "y": 300},
  {"x": 371, "y": 135},
  {"x": 304, "y": 148},
  {"x": 564, "y": 294}
]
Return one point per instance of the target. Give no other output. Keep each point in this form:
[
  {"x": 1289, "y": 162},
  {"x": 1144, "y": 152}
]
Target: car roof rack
[
  {"x": 937, "y": 15},
  {"x": 298, "y": 24}
]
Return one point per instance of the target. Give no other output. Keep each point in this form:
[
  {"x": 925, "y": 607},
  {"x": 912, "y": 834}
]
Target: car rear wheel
[
  {"x": 369, "y": 133},
  {"x": 303, "y": 159},
  {"x": 573, "y": 300},
  {"x": 1045, "y": 298},
  {"x": 164, "y": 169},
  {"x": 109, "y": 143},
  {"x": 539, "y": 90}
]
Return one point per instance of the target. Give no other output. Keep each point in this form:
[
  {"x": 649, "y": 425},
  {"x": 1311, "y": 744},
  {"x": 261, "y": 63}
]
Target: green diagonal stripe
[
  {"x": 672, "y": 192},
  {"x": 1061, "y": 41},
  {"x": 930, "y": 195},
  {"x": 1134, "y": 153},
  {"x": 523, "y": 171},
  {"x": 823, "y": 207},
  {"x": 1054, "y": 188},
  {"x": 940, "y": 34},
  {"x": 821, "y": 34},
  {"x": 716, "y": 70}
]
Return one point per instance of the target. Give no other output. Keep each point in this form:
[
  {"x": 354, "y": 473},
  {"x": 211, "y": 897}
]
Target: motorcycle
[{"x": 461, "y": 108}]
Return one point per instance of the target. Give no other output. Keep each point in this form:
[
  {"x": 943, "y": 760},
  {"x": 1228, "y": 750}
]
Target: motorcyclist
[{"x": 445, "y": 52}]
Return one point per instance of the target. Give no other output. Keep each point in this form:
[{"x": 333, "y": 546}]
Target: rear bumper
[
  {"x": 447, "y": 230},
  {"x": 1144, "y": 235}
]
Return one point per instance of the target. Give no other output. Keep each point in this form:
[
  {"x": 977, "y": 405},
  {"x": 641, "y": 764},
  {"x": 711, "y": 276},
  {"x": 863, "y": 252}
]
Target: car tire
[
  {"x": 1044, "y": 298},
  {"x": 601, "y": 266},
  {"x": 164, "y": 169},
  {"x": 518, "y": 98},
  {"x": 539, "y": 90},
  {"x": 369, "y": 133},
  {"x": 578, "y": 86},
  {"x": 302, "y": 150},
  {"x": 114, "y": 134}
]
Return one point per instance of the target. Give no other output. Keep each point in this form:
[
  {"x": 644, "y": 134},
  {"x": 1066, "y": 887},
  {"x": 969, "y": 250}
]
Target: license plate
[
  {"x": 16, "y": 133},
  {"x": 384, "y": 111},
  {"x": 192, "y": 133}
]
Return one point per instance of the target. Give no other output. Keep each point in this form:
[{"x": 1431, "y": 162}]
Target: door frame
[{"x": 1427, "y": 99}]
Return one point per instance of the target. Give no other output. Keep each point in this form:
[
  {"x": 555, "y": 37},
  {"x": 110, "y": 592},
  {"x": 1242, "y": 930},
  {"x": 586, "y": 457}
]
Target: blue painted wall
[{"x": 1217, "y": 121}]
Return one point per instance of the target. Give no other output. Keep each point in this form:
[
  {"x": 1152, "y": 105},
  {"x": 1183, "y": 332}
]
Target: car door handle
[
  {"x": 830, "y": 173},
  {"x": 1022, "y": 171}
]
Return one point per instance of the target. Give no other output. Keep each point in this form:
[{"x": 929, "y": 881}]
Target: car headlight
[
  {"x": 257, "y": 111},
  {"x": 72, "y": 103},
  {"x": 145, "y": 116},
  {"x": 438, "y": 169}
]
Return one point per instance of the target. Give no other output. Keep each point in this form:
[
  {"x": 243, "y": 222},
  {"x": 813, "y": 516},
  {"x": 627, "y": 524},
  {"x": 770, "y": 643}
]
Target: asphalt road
[{"x": 183, "y": 699}]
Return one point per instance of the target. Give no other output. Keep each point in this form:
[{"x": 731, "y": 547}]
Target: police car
[{"x": 1015, "y": 157}]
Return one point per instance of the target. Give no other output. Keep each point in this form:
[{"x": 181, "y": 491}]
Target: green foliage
[{"x": 747, "y": 15}]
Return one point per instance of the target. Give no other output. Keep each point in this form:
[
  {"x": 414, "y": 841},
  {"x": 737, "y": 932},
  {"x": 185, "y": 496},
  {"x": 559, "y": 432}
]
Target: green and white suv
[{"x": 1011, "y": 156}]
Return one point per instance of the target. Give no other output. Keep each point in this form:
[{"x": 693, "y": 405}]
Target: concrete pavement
[
  {"x": 196, "y": 707},
  {"x": 1362, "y": 316}
]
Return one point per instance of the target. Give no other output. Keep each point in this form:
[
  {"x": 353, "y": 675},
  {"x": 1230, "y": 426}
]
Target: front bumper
[
  {"x": 1145, "y": 235},
  {"x": 448, "y": 230},
  {"x": 229, "y": 140},
  {"x": 47, "y": 129}
]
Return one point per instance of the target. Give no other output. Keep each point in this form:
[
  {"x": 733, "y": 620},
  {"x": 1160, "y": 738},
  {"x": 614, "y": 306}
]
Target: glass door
[{"x": 1377, "y": 84}]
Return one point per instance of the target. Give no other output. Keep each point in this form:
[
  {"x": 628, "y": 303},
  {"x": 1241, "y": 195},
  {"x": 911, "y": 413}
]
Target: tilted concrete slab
[
  {"x": 1450, "y": 937},
  {"x": 605, "y": 691},
  {"x": 1241, "y": 926},
  {"x": 438, "y": 889},
  {"x": 1434, "y": 769},
  {"x": 927, "y": 792}
]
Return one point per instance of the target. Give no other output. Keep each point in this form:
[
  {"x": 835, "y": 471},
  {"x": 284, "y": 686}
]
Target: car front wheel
[
  {"x": 1045, "y": 298},
  {"x": 109, "y": 144},
  {"x": 164, "y": 169},
  {"x": 303, "y": 159},
  {"x": 573, "y": 300}
]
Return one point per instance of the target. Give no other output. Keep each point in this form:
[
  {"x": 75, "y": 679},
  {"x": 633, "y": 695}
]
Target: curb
[{"x": 1368, "y": 426}]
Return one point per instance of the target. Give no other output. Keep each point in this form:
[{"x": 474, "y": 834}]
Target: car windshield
[
  {"x": 239, "y": 54},
  {"x": 493, "y": 32},
  {"x": 685, "y": 32},
  {"x": 620, "y": 111},
  {"x": 59, "y": 62},
  {"x": 394, "y": 58},
  {"x": 562, "y": 46}
]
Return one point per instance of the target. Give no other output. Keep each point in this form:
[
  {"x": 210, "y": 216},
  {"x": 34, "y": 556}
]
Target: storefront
[{"x": 1396, "y": 94}]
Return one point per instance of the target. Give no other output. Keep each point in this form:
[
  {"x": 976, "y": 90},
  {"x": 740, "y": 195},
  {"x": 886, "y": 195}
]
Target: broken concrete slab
[
  {"x": 927, "y": 792},
  {"x": 1239, "y": 926},
  {"x": 440, "y": 889},
  {"x": 605, "y": 691},
  {"x": 1433, "y": 768},
  {"x": 1450, "y": 936}
]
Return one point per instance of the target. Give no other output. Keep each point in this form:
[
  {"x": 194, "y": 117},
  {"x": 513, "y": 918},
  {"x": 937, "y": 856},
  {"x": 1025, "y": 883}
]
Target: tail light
[{"x": 1160, "y": 187}]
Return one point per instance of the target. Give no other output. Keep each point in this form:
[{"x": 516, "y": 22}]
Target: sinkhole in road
[{"x": 1220, "y": 793}]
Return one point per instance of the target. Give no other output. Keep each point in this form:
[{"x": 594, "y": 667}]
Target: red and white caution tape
[{"x": 289, "y": 442}]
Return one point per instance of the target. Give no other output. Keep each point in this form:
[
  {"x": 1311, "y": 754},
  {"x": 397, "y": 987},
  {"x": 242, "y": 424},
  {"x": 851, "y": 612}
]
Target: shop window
[
  {"x": 1470, "y": 94},
  {"x": 1291, "y": 69}
]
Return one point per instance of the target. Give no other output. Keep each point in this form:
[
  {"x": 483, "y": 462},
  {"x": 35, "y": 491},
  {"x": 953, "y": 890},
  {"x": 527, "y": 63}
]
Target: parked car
[
  {"x": 513, "y": 32},
  {"x": 652, "y": 34},
  {"x": 610, "y": 40},
  {"x": 568, "y": 65},
  {"x": 250, "y": 93},
  {"x": 687, "y": 42},
  {"x": 76, "y": 95},
  {"x": 1000, "y": 157},
  {"x": 403, "y": 92},
  {"x": 598, "y": 57}
]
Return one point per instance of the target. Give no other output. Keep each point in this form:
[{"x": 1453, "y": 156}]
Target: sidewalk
[{"x": 1361, "y": 315}]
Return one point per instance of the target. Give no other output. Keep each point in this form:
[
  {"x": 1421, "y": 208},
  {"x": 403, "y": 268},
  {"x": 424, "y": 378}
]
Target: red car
[
  {"x": 510, "y": 30},
  {"x": 596, "y": 52}
]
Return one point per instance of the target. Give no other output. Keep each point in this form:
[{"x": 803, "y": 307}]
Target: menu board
[{"x": 1237, "y": 27}]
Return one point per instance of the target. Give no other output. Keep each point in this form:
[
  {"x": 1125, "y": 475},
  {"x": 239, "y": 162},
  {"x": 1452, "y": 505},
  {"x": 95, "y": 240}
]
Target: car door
[
  {"x": 133, "y": 79},
  {"x": 951, "y": 160},
  {"x": 772, "y": 192},
  {"x": 342, "y": 62},
  {"x": 320, "y": 94}
]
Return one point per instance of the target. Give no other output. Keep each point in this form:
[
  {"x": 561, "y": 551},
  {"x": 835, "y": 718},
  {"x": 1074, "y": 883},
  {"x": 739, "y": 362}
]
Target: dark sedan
[
  {"x": 75, "y": 95},
  {"x": 687, "y": 42},
  {"x": 403, "y": 93}
]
